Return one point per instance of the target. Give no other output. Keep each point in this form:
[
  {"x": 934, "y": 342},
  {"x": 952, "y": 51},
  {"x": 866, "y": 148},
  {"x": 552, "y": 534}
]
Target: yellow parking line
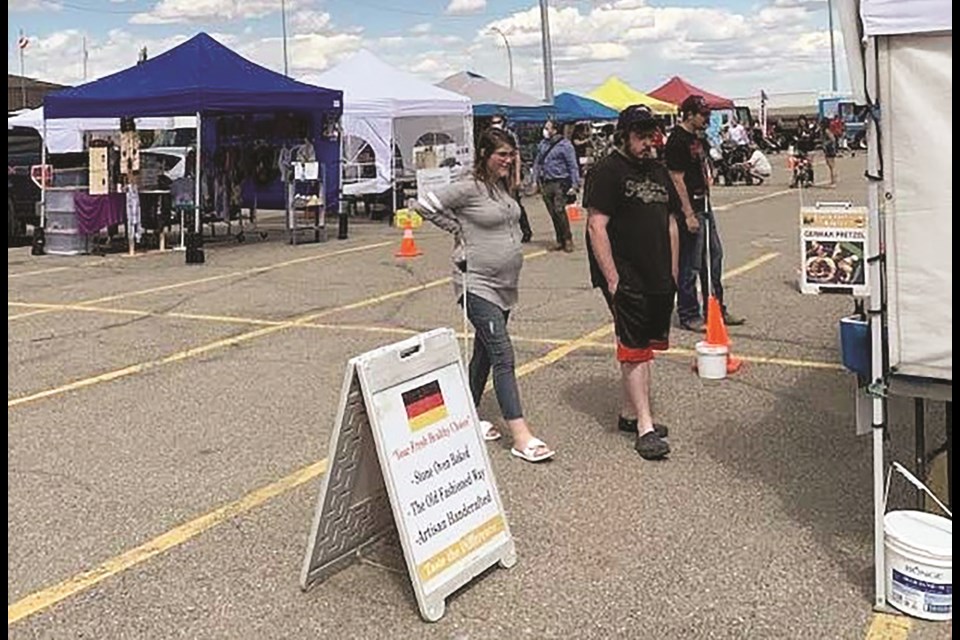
[
  {"x": 750, "y": 266},
  {"x": 798, "y": 363},
  {"x": 46, "y": 598},
  {"x": 884, "y": 626},
  {"x": 52, "y": 595},
  {"x": 24, "y": 274},
  {"x": 225, "y": 342},
  {"x": 208, "y": 279}
]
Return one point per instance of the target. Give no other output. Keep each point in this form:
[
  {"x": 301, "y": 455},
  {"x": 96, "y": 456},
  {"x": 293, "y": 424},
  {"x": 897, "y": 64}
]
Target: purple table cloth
[{"x": 95, "y": 213}]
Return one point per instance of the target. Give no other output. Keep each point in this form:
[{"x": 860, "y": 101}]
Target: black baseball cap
[
  {"x": 694, "y": 104},
  {"x": 637, "y": 117}
]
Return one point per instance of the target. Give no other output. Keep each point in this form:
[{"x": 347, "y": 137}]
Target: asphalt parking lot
[{"x": 168, "y": 426}]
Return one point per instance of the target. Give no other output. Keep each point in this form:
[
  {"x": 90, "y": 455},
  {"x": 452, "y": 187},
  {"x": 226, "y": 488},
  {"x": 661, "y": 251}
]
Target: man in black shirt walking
[
  {"x": 686, "y": 155},
  {"x": 633, "y": 248}
]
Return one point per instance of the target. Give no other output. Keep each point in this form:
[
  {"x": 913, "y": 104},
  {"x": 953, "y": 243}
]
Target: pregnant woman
[{"x": 484, "y": 219}]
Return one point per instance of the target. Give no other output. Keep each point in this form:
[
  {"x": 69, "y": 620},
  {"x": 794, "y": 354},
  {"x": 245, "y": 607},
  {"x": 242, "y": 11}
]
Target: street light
[
  {"x": 283, "y": 21},
  {"x": 509, "y": 53},
  {"x": 547, "y": 51},
  {"x": 833, "y": 51}
]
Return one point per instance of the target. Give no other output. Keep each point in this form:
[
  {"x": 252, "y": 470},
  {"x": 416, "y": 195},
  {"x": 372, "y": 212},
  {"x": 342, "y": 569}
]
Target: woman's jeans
[
  {"x": 492, "y": 349},
  {"x": 693, "y": 265}
]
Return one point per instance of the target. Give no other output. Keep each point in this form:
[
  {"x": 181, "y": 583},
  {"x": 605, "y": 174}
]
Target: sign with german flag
[
  {"x": 424, "y": 405},
  {"x": 419, "y": 414}
]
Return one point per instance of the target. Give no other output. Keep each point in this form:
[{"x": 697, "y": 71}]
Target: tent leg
[{"x": 920, "y": 446}]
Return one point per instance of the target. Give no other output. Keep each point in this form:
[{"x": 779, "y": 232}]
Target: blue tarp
[
  {"x": 200, "y": 75},
  {"x": 566, "y": 107}
]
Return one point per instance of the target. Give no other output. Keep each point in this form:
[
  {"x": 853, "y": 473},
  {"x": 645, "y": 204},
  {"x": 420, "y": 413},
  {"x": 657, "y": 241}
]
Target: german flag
[{"x": 424, "y": 405}]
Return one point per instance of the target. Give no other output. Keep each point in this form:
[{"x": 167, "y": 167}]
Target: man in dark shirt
[
  {"x": 687, "y": 160},
  {"x": 633, "y": 248}
]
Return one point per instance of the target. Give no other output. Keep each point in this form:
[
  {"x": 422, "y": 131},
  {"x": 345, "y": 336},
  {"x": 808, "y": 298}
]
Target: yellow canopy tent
[{"x": 617, "y": 94}]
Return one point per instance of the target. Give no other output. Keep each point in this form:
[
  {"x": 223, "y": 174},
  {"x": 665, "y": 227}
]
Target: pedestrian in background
[
  {"x": 687, "y": 154},
  {"x": 828, "y": 142},
  {"x": 558, "y": 175}
]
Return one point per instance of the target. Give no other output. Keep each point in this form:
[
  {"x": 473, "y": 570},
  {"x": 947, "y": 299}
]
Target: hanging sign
[
  {"x": 833, "y": 244},
  {"x": 407, "y": 453}
]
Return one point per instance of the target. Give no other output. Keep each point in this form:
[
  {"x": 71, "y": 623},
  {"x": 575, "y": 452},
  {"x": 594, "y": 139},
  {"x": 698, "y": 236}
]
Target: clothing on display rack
[{"x": 134, "y": 226}]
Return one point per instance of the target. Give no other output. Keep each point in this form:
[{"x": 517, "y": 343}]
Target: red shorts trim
[
  {"x": 629, "y": 354},
  {"x": 659, "y": 345}
]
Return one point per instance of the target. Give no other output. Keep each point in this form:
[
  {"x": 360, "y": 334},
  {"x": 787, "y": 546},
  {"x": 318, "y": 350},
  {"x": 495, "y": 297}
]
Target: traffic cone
[
  {"x": 408, "y": 248},
  {"x": 717, "y": 333},
  {"x": 573, "y": 213}
]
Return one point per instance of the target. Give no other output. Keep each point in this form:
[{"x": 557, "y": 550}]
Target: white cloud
[
  {"x": 14, "y": 6},
  {"x": 594, "y": 52},
  {"x": 779, "y": 43},
  {"x": 310, "y": 21},
  {"x": 422, "y": 28},
  {"x": 809, "y": 5},
  {"x": 463, "y": 7},
  {"x": 187, "y": 11}
]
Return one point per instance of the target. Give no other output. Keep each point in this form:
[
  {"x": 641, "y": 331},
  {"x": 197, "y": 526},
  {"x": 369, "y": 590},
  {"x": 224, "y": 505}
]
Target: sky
[{"x": 735, "y": 48}]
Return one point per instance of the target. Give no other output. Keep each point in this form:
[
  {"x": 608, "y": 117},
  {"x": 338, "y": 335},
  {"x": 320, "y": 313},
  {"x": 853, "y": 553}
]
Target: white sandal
[
  {"x": 529, "y": 453},
  {"x": 490, "y": 432}
]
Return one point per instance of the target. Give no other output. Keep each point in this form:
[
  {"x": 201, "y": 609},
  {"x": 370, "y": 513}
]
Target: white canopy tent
[
  {"x": 900, "y": 59},
  {"x": 387, "y": 111},
  {"x": 66, "y": 135}
]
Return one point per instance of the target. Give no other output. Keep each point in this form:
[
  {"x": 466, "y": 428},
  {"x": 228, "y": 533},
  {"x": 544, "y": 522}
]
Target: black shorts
[{"x": 642, "y": 322}]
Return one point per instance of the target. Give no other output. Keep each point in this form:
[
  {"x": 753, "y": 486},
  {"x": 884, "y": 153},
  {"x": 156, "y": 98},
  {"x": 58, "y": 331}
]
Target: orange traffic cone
[
  {"x": 573, "y": 213},
  {"x": 717, "y": 333},
  {"x": 408, "y": 248}
]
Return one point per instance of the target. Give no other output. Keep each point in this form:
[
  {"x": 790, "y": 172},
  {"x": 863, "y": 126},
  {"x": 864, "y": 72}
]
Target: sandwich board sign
[{"x": 407, "y": 452}]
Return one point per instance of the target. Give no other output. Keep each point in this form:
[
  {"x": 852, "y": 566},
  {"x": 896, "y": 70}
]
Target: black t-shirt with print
[
  {"x": 639, "y": 199},
  {"x": 687, "y": 152}
]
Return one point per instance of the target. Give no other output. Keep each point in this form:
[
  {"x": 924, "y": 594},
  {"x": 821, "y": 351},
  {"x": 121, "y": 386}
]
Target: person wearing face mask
[
  {"x": 633, "y": 246},
  {"x": 500, "y": 122},
  {"x": 484, "y": 219},
  {"x": 558, "y": 175}
]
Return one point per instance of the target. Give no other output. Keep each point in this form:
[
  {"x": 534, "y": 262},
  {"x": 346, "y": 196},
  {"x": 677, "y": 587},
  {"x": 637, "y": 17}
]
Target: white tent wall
[
  {"x": 900, "y": 58},
  {"x": 377, "y": 132},
  {"x": 418, "y": 131},
  {"x": 388, "y": 107},
  {"x": 916, "y": 94}
]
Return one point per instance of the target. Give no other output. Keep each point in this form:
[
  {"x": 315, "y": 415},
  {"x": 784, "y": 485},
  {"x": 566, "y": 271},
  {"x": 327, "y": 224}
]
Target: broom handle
[{"x": 706, "y": 241}]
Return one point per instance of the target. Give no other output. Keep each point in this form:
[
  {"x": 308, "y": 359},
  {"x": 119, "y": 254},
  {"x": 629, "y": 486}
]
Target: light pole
[
  {"x": 833, "y": 51},
  {"x": 283, "y": 23},
  {"x": 509, "y": 53},
  {"x": 547, "y": 52}
]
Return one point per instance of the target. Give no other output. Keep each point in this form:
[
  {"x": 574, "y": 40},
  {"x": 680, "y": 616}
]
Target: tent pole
[
  {"x": 875, "y": 266},
  {"x": 196, "y": 171},
  {"x": 43, "y": 171},
  {"x": 393, "y": 167}
]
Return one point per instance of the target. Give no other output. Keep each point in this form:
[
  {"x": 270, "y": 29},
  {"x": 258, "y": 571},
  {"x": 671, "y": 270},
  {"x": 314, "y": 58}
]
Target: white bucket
[
  {"x": 712, "y": 360},
  {"x": 919, "y": 563}
]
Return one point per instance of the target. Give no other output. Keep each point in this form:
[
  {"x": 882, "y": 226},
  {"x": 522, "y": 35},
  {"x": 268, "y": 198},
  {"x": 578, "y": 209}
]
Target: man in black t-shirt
[
  {"x": 687, "y": 154},
  {"x": 633, "y": 248}
]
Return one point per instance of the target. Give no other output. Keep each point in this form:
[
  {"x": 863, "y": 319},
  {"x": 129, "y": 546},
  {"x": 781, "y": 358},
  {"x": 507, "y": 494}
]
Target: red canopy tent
[{"x": 676, "y": 90}]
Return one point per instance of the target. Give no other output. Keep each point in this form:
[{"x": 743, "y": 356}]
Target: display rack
[{"x": 306, "y": 209}]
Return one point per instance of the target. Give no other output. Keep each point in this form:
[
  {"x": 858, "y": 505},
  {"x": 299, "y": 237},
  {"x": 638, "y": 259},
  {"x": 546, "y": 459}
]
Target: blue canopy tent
[
  {"x": 202, "y": 77},
  {"x": 566, "y": 107}
]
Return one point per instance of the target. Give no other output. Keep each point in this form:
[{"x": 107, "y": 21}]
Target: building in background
[{"x": 35, "y": 91}]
